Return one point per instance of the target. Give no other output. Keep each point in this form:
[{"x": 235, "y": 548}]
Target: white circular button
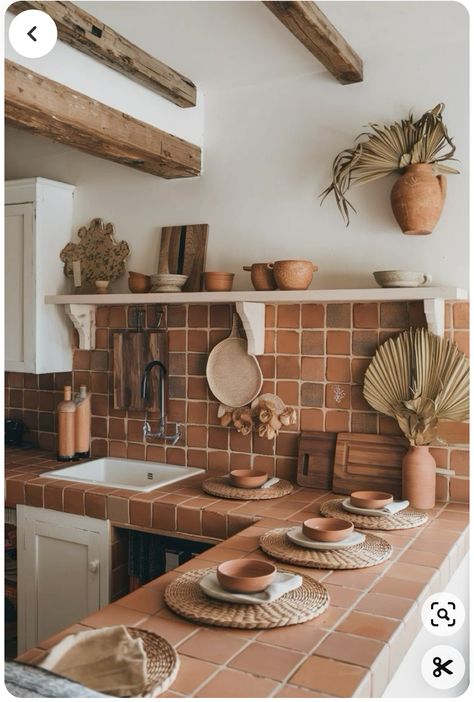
[
  {"x": 443, "y": 667},
  {"x": 443, "y": 614},
  {"x": 33, "y": 33}
]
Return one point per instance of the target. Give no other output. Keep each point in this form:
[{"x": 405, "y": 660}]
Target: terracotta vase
[
  {"x": 419, "y": 477},
  {"x": 417, "y": 199}
]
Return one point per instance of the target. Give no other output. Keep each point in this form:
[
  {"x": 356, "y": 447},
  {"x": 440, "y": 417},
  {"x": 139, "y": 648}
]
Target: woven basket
[
  {"x": 162, "y": 662},
  {"x": 406, "y": 519},
  {"x": 221, "y": 487}
]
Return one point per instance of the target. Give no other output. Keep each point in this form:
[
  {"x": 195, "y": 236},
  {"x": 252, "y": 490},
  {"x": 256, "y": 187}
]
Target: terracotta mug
[{"x": 261, "y": 276}]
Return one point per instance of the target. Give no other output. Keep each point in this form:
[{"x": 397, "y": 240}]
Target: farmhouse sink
[{"x": 141, "y": 476}]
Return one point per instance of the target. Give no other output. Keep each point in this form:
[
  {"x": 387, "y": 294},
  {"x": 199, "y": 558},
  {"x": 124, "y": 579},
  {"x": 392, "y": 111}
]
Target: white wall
[{"x": 270, "y": 139}]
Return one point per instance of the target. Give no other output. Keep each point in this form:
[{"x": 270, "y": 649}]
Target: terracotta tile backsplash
[{"x": 315, "y": 359}]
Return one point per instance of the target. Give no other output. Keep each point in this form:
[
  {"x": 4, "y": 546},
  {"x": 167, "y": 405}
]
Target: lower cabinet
[{"x": 63, "y": 565}]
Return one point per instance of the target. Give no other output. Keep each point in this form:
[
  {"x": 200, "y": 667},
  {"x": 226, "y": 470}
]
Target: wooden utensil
[
  {"x": 234, "y": 376},
  {"x": 316, "y": 459},
  {"x": 368, "y": 462},
  {"x": 132, "y": 351},
  {"x": 163, "y": 263}
]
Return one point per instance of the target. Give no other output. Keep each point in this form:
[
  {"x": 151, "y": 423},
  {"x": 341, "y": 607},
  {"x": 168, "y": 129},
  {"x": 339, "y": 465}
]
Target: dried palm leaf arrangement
[
  {"x": 419, "y": 378},
  {"x": 395, "y": 148},
  {"x": 266, "y": 415}
]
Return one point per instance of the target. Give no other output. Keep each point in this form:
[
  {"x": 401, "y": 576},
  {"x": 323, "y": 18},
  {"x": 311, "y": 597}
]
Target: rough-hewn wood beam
[
  {"x": 313, "y": 29},
  {"x": 53, "y": 110},
  {"x": 91, "y": 36}
]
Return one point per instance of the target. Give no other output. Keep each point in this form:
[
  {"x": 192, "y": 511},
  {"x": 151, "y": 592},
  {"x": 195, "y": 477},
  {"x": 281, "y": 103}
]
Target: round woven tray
[
  {"x": 162, "y": 662},
  {"x": 407, "y": 519},
  {"x": 185, "y": 597},
  {"x": 221, "y": 487},
  {"x": 372, "y": 551}
]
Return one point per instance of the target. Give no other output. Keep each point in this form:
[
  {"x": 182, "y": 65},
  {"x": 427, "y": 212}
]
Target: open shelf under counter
[{"x": 251, "y": 305}]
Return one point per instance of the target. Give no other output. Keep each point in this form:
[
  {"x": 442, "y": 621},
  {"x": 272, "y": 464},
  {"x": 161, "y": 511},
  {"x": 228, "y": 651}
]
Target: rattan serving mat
[
  {"x": 162, "y": 662},
  {"x": 185, "y": 597},
  {"x": 406, "y": 519},
  {"x": 221, "y": 487},
  {"x": 372, "y": 551}
]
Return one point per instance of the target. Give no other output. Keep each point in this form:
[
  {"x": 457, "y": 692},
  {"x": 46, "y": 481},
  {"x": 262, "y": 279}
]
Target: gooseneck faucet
[{"x": 161, "y": 433}]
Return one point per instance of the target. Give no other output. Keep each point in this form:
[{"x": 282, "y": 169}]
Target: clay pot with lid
[{"x": 417, "y": 199}]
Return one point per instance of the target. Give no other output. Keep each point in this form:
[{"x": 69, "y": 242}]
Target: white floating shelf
[{"x": 81, "y": 308}]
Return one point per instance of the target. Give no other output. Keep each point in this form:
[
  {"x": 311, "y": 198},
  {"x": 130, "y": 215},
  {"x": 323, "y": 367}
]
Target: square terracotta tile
[
  {"x": 366, "y": 315},
  {"x": 369, "y": 626},
  {"x": 312, "y": 316},
  {"x": 242, "y": 683},
  {"x": 188, "y": 520},
  {"x": 198, "y": 316},
  {"x": 212, "y": 646},
  {"x": 336, "y": 421},
  {"x": 266, "y": 661},
  {"x": 338, "y": 343},
  {"x": 364, "y": 343},
  {"x": 338, "y": 395},
  {"x": 335, "y": 678},
  {"x": 287, "y": 367},
  {"x": 394, "y": 315},
  {"x": 385, "y": 605},
  {"x": 461, "y": 315},
  {"x": 288, "y": 342},
  {"x": 351, "y": 649},
  {"x": 338, "y": 369},
  {"x": 288, "y": 316},
  {"x": 312, "y": 343},
  {"x": 312, "y": 368},
  {"x": 299, "y": 637},
  {"x": 220, "y": 316},
  {"x": 364, "y": 422},
  {"x": 192, "y": 673},
  {"x": 312, "y": 420},
  {"x": 338, "y": 315},
  {"x": 312, "y": 395}
]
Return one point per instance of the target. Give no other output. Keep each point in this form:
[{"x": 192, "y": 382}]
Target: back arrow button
[{"x": 30, "y": 33}]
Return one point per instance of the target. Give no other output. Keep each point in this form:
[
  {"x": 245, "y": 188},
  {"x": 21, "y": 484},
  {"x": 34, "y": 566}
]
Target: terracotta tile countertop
[{"x": 352, "y": 650}]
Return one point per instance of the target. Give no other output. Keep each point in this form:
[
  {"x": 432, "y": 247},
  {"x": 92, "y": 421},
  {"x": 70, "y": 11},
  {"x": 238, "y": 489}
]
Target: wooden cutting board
[
  {"x": 183, "y": 251},
  {"x": 316, "y": 459},
  {"x": 368, "y": 462},
  {"x": 132, "y": 351}
]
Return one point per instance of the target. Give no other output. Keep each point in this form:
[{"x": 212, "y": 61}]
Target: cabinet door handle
[{"x": 94, "y": 566}]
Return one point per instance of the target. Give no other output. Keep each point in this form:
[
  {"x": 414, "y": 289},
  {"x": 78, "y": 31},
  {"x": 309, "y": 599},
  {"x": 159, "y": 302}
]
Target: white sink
[{"x": 141, "y": 476}]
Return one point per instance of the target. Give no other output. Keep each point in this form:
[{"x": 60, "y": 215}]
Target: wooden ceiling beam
[
  {"x": 50, "y": 109},
  {"x": 313, "y": 29},
  {"x": 94, "y": 38}
]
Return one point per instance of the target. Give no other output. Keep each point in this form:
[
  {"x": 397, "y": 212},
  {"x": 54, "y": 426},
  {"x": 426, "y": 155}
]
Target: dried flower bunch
[
  {"x": 390, "y": 149},
  {"x": 419, "y": 378},
  {"x": 266, "y": 416}
]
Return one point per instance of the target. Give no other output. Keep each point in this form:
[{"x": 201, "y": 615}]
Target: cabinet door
[
  {"x": 19, "y": 288},
  {"x": 63, "y": 564}
]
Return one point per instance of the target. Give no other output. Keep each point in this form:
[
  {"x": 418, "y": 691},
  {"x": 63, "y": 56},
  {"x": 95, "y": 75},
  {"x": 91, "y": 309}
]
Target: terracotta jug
[
  {"x": 417, "y": 199},
  {"x": 419, "y": 477}
]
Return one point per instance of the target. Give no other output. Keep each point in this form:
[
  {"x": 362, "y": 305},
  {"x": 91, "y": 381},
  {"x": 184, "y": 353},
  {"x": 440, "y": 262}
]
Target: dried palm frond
[
  {"x": 419, "y": 378},
  {"x": 388, "y": 149}
]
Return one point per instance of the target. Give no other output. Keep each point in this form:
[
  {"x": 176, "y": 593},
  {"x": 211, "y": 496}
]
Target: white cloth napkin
[
  {"x": 282, "y": 583},
  {"x": 270, "y": 482},
  {"x": 392, "y": 508}
]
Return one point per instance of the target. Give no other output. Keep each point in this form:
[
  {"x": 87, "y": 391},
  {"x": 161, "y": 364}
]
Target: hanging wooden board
[
  {"x": 183, "y": 251},
  {"x": 368, "y": 462},
  {"x": 132, "y": 351},
  {"x": 316, "y": 459}
]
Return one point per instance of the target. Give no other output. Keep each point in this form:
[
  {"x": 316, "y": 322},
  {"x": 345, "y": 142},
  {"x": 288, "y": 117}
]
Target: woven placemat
[
  {"x": 372, "y": 551},
  {"x": 221, "y": 487},
  {"x": 406, "y": 519},
  {"x": 185, "y": 597},
  {"x": 162, "y": 662}
]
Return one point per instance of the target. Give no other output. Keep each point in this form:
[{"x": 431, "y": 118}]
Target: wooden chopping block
[{"x": 132, "y": 351}]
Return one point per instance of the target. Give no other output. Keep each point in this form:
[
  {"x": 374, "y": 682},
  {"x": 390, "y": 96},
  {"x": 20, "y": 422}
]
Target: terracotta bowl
[
  {"x": 248, "y": 478},
  {"x": 245, "y": 575},
  {"x": 293, "y": 274},
  {"x": 327, "y": 528},
  {"x": 138, "y": 282},
  {"x": 215, "y": 281},
  {"x": 368, "y": 499},
  {"x": 261, "y": 276}
]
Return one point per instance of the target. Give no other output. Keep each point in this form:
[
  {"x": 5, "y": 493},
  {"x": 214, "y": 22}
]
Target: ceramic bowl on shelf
[
  {"x": 401, "y": 279},
  {"x": 370, "y": 499},
  {"x": 327, "y": 528},
  {"x": 167, "y": 282},
  {"x": 261, "y": 276},
  {"x": 138, "y": 282},
  {"x": 248, "y": 478},
  {"x": 245, "y": 575},
  {"x": 217, "y": 281},
  {"x": 293, "y": 274},
  {"x": 101, "y": 286}
]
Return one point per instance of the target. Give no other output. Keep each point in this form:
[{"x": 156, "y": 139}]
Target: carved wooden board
[
  {"x": 368, "y": 462},
  {"x": 183, "y": 251},
  {"x": 316, "y": 459},
  {"x": 132, "y": 351}
]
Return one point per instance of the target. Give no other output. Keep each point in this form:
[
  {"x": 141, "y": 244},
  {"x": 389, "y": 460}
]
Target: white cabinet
[
  {"x": 38, "y": 224},
  {"x": 63, "y": 563}
]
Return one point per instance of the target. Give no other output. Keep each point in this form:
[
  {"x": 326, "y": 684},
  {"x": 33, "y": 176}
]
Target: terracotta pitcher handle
[
  {"x": 442, "y": 186},
  {"x": 246, "y": 268},
  {"x": 427, "y": 278},
  {"x": 270, "y": 266}
]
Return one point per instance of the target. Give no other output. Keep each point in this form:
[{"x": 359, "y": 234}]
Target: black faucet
[{"x": 161, "y": 434}]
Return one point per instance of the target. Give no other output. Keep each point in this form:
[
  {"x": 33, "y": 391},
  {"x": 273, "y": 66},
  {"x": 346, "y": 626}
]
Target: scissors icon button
[{"x": 441, "y": 667}]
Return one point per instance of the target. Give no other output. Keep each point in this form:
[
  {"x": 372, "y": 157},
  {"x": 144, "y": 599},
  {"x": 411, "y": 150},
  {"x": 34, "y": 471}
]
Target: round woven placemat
[
  {"x": 406, "y": 519},
  {"x": 185, "y": 597},
  {"x": 372, "y": 551},
  {"x": 221, "y": 487},
  {"x": 162, "y": 662}
]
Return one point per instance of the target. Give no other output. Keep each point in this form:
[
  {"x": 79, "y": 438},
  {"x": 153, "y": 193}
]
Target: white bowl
[
  {"x": 167, "y": 282},
  {"x": 401, "y": 279}
]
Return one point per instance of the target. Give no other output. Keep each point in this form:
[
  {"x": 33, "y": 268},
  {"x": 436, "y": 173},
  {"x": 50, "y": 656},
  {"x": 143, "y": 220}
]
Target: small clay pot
[
  {"x": 327, "y": 528},
  {"x": 245, "y": 575},
  {"x": 248, "y": 478},
  {"x": 368, "y": 499},
  {"x": 138, "y": 282},
  {"x": 417, "y": 199},
  {"x": 102, "y": 286},
  {"x": 261, "y": 276},
  {"x": 293, "y": 275},
  {"x": 215, "y": 281}
]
